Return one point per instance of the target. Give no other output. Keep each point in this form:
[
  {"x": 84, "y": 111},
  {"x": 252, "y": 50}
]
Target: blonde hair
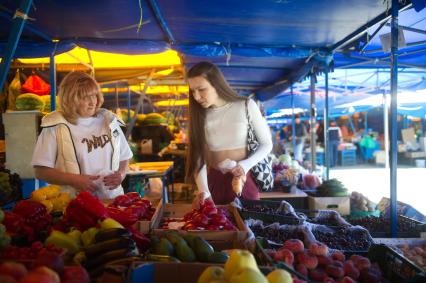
[{"x": 74, "y": 87}]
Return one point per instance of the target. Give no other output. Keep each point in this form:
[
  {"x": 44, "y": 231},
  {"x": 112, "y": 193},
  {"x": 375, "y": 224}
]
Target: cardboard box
[
  {"x": 145, "y": 226},
  {"x": 339, "y": 204},
  {"x": 218, "y": 239}
]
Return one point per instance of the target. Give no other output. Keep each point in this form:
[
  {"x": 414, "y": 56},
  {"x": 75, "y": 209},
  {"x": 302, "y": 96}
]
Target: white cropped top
[{"x": 226, "y": 129}]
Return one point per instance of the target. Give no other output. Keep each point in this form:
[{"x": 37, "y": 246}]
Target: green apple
[
  {"x": 211, "y": 273},
  {"x": 239, "y": 259},
  {"x": 248, "y": 275},
  {"x": 279, "y": 276}
]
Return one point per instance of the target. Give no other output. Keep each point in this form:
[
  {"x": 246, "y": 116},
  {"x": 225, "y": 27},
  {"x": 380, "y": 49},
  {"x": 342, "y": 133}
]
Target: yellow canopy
[{"x": 101, "y": 60}]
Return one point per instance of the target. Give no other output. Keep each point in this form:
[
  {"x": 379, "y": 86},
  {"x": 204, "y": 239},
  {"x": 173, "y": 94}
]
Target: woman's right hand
[
  {"x": 84, "y": 182},
  {"x": 199, "y": 200}
]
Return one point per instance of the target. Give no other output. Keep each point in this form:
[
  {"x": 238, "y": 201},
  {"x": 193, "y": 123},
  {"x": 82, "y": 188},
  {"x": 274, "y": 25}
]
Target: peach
[
  {"x": 337, "y": 263},
  {"x": 294, "y": 245},
  {"x": 301, "y": 269},
  {"x": 338, "y": 255},
  {"x": 347, "y": 279},
  {"x": 350, "y": 269},
  {"x": 355, "y": 258},
  {"x": 307, "y": 259},
  {"x": 318, "y": 249},
  {"x": 317, "y": 274},
  {"x": 37, "y": 277},
  {"x": 13, "y": 269},
  {"x": 363, "y": 263},
  {"x": 51, "y": 274},
  {"x": 284, "y": 255},
  {"x": 334, "y": 271},
  {"x": 324, "y": 260}
]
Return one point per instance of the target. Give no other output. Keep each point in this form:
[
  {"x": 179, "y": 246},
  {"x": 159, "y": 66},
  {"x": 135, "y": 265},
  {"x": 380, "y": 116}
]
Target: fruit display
[
  {"x": 332, "y": 188},
  {"x": 4, "y": 238},
  {"x": 207, "y": 217},
  {"x": 379, "y": 226},
  {"x": 186, "y": 248},
  {"x": 271, "y": 211},
  {"x": 11, "y": 186},
  {"x": 280, "y": 233},
  {"x": 29, "y": 101},
  {"x": 343, "y": 238},
  {"x": 152, "y": 119},
  {"x": 359, "y": 202},
  {"x": 109, "y": 245},
  {"x": 415, "y": 253},
  {"x": 29, "y": 254},
  {"x": 241, "y": 267},
  {"x": 51, "y": 197},
  {"x": 319, "y": 263},
  {"x": 129, "y": 208}
]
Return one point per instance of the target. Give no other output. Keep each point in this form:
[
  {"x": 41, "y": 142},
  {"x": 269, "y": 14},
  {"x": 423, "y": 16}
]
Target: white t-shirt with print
[{"x": 92, "y": 142}]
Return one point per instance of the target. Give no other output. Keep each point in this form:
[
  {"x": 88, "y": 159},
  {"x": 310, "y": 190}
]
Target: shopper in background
[
  {"x": 334, "y": 138},
  {"x": 301, "y": 134},
  {"x": 81, "y": 147},
  {"x": 218, "y": 132}
]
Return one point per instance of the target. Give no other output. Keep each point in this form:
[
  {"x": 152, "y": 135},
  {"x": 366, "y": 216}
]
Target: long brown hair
[
  {"x": 197, "y": 149},
  {"x": 75, "y": 86}
]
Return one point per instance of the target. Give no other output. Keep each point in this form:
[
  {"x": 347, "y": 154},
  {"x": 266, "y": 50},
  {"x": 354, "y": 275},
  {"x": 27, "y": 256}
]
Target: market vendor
[
  {"x": 82, "y": 147},
  {"x": 218, "y": 134}
]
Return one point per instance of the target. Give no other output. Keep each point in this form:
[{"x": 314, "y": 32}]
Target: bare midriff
[{"x": 215, "y": 157}]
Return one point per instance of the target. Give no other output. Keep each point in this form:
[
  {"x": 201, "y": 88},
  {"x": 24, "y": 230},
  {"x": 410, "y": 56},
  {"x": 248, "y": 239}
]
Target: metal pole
[
  {"x": 293, "y": 125},
  {"x": 326, "y": 122},
  {"x": 52, "y": 82},
  {"x": 393, "y": 119},
  {"x": 312, "y": 116},
  {"x": 386, "y": 129},
  {"x": 20, "y": 17}
]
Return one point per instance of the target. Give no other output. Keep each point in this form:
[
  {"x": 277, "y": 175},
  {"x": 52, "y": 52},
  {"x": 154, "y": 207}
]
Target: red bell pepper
[
  {"x": 137, "y": 211},
  {"x": 134, "y": 196},
  {"x": 142, "y": 241},
  {"x": 122, "y": 200},
  {"x": 79, "y": 217},
  {"x": 124, "y": 218},
  {"x": 91, "y": 205},
  {"x": 34, "y": 213}
]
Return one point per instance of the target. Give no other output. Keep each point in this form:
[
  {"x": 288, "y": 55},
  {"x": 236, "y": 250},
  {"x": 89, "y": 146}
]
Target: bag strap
[{"x": 247, "y": 113}]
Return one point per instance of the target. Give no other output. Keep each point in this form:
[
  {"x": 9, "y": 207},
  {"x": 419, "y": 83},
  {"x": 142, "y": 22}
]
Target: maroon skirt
[{"x": 220, "y": 186}]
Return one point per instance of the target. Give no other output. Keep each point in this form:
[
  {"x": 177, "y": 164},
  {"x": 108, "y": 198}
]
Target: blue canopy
[{"x": 262, "y": 46}]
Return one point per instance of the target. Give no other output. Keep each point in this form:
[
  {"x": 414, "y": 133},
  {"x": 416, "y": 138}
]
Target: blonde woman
[
  {"x": 218, "y": 132},
  {"x": 82, "y": 147}
]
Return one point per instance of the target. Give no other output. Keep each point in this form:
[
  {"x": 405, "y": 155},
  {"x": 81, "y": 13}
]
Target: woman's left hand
[{"x": 113, "y": 180}]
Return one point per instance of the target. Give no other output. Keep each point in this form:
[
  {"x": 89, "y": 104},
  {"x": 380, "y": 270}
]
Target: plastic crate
[
  {"x": 395, "y": 267},
  {"x": 347, "y": 157},
  {"x": 319, "y": 157}
]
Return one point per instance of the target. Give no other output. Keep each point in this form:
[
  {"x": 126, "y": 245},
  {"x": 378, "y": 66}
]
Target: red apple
[
  {"x": 75, "y": 274},
  {"x": 209, "y": 202},
  {"x": 347, "y": 279},
  {"x": 334, "y": 271},
  {"x": 324, "y": 260},
  {"x": 13, "y": 269}
]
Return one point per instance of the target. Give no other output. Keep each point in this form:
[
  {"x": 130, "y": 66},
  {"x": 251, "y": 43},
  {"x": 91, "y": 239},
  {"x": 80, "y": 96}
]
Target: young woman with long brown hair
[{"x": 218, "y": 128}]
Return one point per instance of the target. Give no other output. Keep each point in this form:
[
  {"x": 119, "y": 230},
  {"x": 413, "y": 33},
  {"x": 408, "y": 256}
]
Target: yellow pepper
[
  {"x": 64, "y": 241},
  {"x": 61, "y": 201},
  {"x": 48, "y": 192},
  {"x": 48, "y": 204}
]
